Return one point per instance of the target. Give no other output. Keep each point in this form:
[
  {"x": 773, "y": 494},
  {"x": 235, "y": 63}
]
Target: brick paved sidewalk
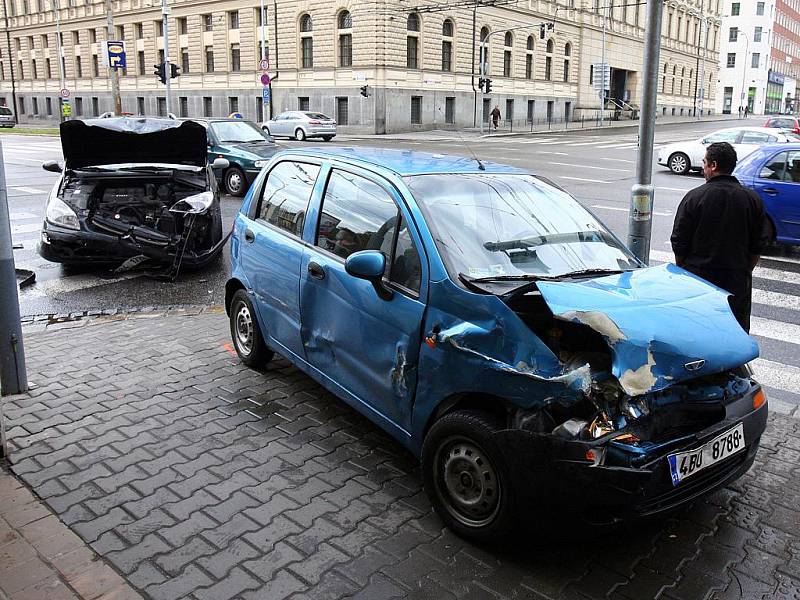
[{"x": 197, "y": 478}]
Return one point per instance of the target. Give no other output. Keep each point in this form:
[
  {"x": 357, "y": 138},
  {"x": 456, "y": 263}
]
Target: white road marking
[
  {"x": 31, "y": 160},
  {"x": 552, "y": 152},
  {"x": 590, "y": 143},
  {"x": 26, "y": 228},
  {"x": 588, "y": 167},
  {"x": 539, "y": 141},
  {"x": 620, "y": 146},
  {"x": 582, "y": 179},
  {"x": 29, "y": 190},
  {"x": 18, "y": 216},
  {"x": 625, "y": 160},
  {"x": 672, "y": 189},
  {"x": 758, "y": 272},
  {"x": 775, "y": 330},
  {"x": 777, "y": 375},
  {"x": 625, "y": 209},
  {"x": 73, "y": 283}
]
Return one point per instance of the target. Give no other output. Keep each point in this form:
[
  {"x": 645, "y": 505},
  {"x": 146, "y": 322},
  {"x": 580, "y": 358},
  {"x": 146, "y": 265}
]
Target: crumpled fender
[{"x": 663, "y": 324}]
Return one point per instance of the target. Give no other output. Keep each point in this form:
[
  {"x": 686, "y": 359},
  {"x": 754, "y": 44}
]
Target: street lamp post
[
  {"x": 265, "y": 105},
  {"x": 744, "y": 66},
  {"x": 59, "y": 49},
  {"x": 114, "y": 72}
]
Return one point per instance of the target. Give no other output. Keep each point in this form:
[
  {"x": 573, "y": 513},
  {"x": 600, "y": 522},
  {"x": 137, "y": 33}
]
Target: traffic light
[
  {"x": 487, "y": 84},
  {"x": 160, "y": 72},
  {"x": 542, "y": 30},
  {"x": 173, "y": 71},
  {"x": 365, "y": 91}
]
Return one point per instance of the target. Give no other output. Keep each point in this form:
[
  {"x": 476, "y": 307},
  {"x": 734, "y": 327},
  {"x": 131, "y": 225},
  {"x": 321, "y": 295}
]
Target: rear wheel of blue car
[
  {"x": 235, "y": 181},
  {"x": 245, "y": 333},
  {"x": 465, "y": 476}
]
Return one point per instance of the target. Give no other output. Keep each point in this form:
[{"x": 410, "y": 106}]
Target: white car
[
  {"x": 682, "y": 157},
  {"x": 300, "y": 125}
]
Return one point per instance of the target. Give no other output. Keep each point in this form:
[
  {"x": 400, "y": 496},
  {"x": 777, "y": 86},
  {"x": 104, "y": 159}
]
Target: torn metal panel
[{"x": 662, "y": 324}]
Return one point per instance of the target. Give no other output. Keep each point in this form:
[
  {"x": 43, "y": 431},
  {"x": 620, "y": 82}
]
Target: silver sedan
[{"x": 301, "y": 125}]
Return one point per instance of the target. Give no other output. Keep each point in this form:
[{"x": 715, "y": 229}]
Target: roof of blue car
[{"x": 404, "y": 162}]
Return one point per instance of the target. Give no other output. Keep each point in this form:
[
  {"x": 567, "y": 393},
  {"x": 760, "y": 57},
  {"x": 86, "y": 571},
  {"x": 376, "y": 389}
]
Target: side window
[
  {"x": 793, "y": 167},
  {"x": 774, "y": 168},
  {"x": 357, "y": 214},
  {"x": 757, "y": 137},
  {"x": 405, "y": 270},
  {"x": 724, "y": 136},
  {"x": 286, "y": 195}
]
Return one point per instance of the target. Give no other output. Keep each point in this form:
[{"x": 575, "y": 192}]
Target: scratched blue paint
[{"x": 663, "y": 311}]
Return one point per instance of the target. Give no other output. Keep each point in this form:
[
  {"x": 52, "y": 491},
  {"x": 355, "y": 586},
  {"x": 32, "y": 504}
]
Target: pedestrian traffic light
[
  {"x": 487, "y": 85},
  {"x": 160, "y": 72},
  {"x": 174, "y": 71},
  {"x": 365, "y": 91}
]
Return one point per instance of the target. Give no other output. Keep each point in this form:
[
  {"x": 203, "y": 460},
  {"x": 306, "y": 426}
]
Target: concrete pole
[
  {"x": 10, "y": 62},
  {"x": 57, "y": 9},
  {"x": 603, "y": 67},
  {"x": 13, "y": 379},
  {"x": 114, "y": 72},
  {"x": 265, "y": 110},
  {"x": 703, "y": 67},
  {"x": 167, "y": 67},
  {"x": 640, "y": 217},
  {"x": 482, "y": 59}
]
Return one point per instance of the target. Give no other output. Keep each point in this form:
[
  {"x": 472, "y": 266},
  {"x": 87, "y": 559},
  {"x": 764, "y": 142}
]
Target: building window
[
  {"x": 306, "y": 42},
  {"x": 35, "y": 102},
  {"x": 233, "y": 19},
  {"x": 184, "y": 61},
  {"x": 303, "y": 103},
  {"x": 159, "y": 27},
  {"x": 756, "y": 59},
  {"x": 138, "y": 31},
  {"x": 674, "y": 72},
  {"x": 507, "y": 59},
  {"x": 48, "y": 102},
  {"x": 529, "y": 58},
  {"x": 259, "y": 109},
  {"x": 447, "y": 55},
  {"x": 140, "y": 62},
  {"x": 34, "y": 70},
  {"x": 161, "y": 107},
  {"x": 757, "y": 34},
  {"x": 735, "y": 9},
  {"x": 78, "y": 67},
  {"x": 233, "y": 104},
  {"x": 21, "y": 105},
  {"x": 733, "y": 34},
  {"x": 183, "y": 106},
  {"x": 412, "y": 41},
  {"x": 567, "y": 54},
  {"x": 140, "y": 105},
  {"x": 447, "y": 28},
  {"x": 208, "y": 22},
  {"x": 45, "y": 42},
  {"x": 731, "y": 63},
  {"x": 236, "y": 62},
  {"x": 209, "y": 59},
  {"x": 345, "y": 24},
  {"x": 531, "y": 110},
  {"x": 207, "y": 106},
  {"x": 161, "y": 56},
  {"x": 548, "y": 61},
  {"x": 92, "y": 36},
  {"x": 47, "y": 68},
  {"x": 759, "y": 9},
  {"x": 79, "y": 107},
  {"x": 95, "y": 106},
  {"x": 183, "y": 26},
  {"x": 416, "y": 110},
  {"x": 483, "y": 59},
  {"x": 95, "y": 65},
  {"x": 509, "y": 110},
  {"x": 450, "y": 110},
  {"x": 341, "y": 111}
]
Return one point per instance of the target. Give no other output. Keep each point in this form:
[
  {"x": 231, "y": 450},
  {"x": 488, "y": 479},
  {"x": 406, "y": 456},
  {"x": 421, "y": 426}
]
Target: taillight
[{"x": 316, "y": 122}]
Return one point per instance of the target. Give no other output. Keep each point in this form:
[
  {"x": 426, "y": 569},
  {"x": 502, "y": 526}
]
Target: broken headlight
[{"x": 59, "y": 213}]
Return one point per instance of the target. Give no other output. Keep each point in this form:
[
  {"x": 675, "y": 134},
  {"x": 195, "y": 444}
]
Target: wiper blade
[
  {"x": 592, "y": 272},
  {"x": 500, "y": 278}
]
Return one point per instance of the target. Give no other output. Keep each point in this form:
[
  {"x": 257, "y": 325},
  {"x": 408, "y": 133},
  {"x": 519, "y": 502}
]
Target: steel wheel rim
[
  {"x": 243, "y": 329},
  {"x": 234, "y": 181},
  {"x": 678, "y": 163},
  {"x": 467, "y": 482}
]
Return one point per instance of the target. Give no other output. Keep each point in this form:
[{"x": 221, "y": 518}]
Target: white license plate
[{"x": 686, "y": 464}]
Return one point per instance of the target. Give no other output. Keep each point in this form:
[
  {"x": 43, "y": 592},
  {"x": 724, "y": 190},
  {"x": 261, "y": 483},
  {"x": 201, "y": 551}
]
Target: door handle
[
  {"x": 316, "y": 270},
  {"x": 249, "y": 236},
  {"x": 771, "y": 191}
]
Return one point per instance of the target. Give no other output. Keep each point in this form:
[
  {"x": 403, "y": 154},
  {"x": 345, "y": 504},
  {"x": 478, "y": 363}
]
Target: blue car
[
  {"x": 498, "y": 331},
  {"x": 774, "y": 173}
]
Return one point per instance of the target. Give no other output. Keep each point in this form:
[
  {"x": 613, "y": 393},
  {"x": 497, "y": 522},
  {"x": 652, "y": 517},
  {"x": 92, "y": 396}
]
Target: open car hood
[
  {"x": 116, "y": 140},
  {"x": 663, "y": 324}
]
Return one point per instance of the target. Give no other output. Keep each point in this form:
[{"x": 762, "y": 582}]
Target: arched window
[
  {"x": 508, "y": 42},
  {"x": 529, "y": 58},
  {"x": 345, "y": 45},
  {"x": 447, "y": 45},
  {"x": 567, "y": 49},
  {"x": 548, "y": 61},
  {"x": 664, "y": 80},
  {"x": 567, "y": 52},
  {"x": 683, "y": 79},
  {"x": 412, "y": 41},
  {"x": 306, "y": 42},
  {"x": 674, "y": 73},
  {"x": 484, "y": 56},
  {"x": 691, "y": 80}
]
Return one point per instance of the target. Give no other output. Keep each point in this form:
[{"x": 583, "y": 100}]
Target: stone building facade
[{"x": 417, "y": 58}]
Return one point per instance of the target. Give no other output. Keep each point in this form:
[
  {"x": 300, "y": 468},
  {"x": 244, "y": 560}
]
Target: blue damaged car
[{"x": 498, "y": 331}]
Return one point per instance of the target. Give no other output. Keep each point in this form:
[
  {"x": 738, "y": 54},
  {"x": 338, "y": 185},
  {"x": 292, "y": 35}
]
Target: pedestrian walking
[
  {"x": 746, "y": 110},
  {"x": 740, "y": 112},
  {"x": 719, "y": 230},
  {"x": 495, "y": 116}
]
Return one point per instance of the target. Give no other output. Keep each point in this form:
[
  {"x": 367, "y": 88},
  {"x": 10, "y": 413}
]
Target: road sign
[
  {"x": 601, "y": 76},
  {"x": 265, "y": 94},
  {"x": 264, "y": 79},
  {"x": 66, "y": 108},
  {"x": 115, "y": 51},
  {"x": 264, "y": 64},
  {"x": 64, "y": 93}
]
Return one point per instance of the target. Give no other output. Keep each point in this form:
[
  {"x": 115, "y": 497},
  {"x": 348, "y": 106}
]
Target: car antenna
[{"x": 471, "y": 151}]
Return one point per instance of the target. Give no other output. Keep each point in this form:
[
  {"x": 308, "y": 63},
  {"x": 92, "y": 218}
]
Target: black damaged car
[{"x": 133, "y": 190}]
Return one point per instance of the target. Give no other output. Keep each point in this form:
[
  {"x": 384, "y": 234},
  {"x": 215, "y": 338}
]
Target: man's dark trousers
[{"x": 737, "y": 282}]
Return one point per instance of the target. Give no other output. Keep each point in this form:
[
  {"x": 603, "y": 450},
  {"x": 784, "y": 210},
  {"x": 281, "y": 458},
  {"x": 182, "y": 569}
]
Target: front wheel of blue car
[
  {"x": 465, "y": 476},
  {"x": 246, "y": 334}
]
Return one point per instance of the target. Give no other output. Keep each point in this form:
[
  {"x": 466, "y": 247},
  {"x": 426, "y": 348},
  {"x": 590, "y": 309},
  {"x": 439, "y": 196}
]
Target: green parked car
[{"x": 246, "y": 147}]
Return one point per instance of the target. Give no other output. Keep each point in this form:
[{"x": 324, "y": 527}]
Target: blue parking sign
[{"x": 266, "y": 94}]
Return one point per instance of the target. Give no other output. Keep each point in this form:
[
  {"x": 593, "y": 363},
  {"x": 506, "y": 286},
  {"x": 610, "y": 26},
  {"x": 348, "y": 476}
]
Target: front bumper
[
  {"x": 555, "y": 472},
  {"x": 67, "y": 246}
]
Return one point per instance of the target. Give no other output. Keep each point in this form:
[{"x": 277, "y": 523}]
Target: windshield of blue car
[
  {"x": 237, "y": 131},
  {"x": 501, "y": 226}
]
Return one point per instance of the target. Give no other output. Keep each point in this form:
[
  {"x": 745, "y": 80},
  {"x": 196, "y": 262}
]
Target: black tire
[
  {"x": 458, "y": 447},
  {"x": 679, "y": 163},
  {"x": 235, "y": 181},
  {"x": 327, "y": 138},
  {"x": 246, "y": 334},
  {"x": 266, "y": 130},
  {"x": 299, "y": 134}
]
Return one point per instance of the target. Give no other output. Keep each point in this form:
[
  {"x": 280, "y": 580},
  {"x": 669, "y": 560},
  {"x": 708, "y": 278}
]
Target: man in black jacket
[{"x": 718, "y": 230}]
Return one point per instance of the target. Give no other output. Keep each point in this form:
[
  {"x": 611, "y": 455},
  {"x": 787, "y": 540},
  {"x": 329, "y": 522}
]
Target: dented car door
[{"x": 369, "y": 344}]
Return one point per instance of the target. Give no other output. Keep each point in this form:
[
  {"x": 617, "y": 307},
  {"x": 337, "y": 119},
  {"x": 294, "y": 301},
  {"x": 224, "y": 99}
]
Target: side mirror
[
  {"x": 53, "y": 166},
  {"x": 220, "y": 163},
  {"x": 369, "y": 265}
]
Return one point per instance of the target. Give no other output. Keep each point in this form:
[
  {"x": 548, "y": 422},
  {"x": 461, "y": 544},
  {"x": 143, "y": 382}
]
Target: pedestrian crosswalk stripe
[
  {"x": 776, "y": 299},
  {"x": 582, "y": 179},
  {"x": 25, "y": 228},
  {"x": 775, "y": 330},
  {"x": 758, "y": 272},
  {"x": 563, "y": 164},
  {"x": 620, "y": 145},
  {"x": 777, "y": 375},
  {"x": 19, "y": 216},
  {"x": 539, "y": 141},
  {"x": 28, "y": 190}
]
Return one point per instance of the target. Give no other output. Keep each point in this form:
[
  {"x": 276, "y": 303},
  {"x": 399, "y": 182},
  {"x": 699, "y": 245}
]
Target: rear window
[
  {"x": 4, "y": 110},
  {"x": 319, "y": 116}
]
